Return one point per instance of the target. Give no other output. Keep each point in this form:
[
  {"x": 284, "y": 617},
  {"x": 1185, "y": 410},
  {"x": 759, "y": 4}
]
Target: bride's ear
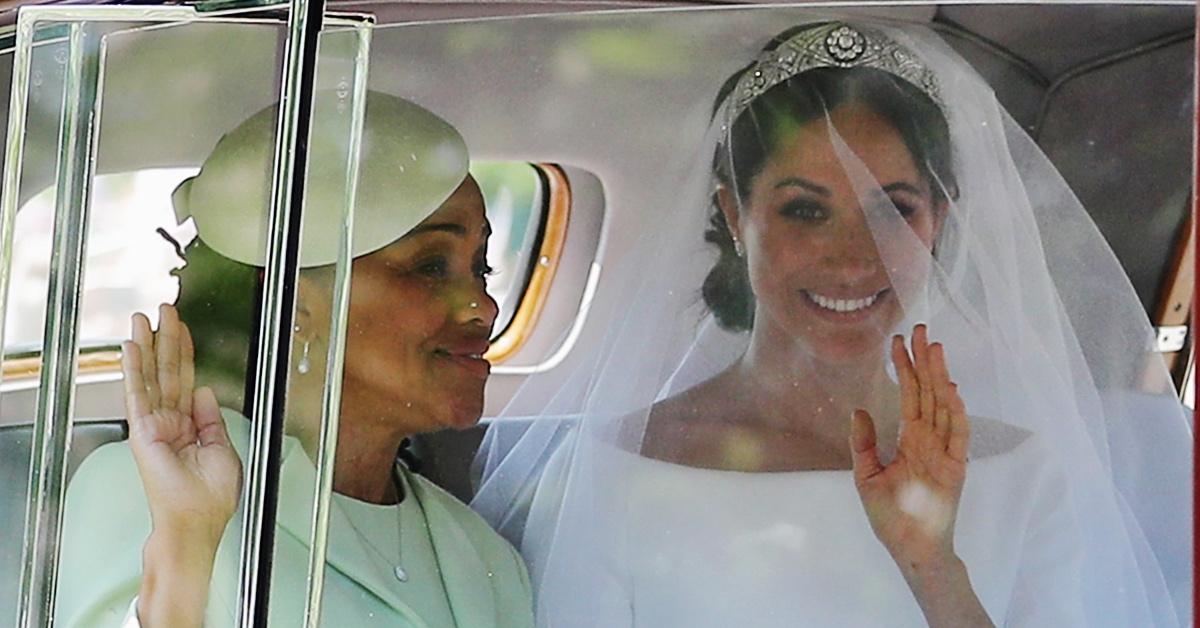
[{"x": 727, "y": 202}]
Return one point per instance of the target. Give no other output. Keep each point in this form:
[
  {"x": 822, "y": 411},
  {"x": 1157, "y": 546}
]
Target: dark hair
[
  {"x": 758, "y": 130},
  {"x": 220, "y": 300}
]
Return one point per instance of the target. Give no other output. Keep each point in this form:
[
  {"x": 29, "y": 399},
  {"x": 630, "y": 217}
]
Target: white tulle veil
[{"x": 1043, "y": 332}]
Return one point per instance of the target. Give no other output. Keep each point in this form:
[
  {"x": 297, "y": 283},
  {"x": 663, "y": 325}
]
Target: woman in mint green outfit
[{"x": 401, "y": 551}]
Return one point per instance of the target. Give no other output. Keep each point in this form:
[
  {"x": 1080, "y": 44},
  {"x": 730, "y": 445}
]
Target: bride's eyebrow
[
  {"x": 902, "y": 186},
  {"x": 798, "y": 182}
]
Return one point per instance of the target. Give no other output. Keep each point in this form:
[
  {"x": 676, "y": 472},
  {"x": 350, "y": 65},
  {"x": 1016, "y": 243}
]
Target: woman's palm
[
  {"x": 188, "y": 466},
  {"x": 912, "y": 502}
]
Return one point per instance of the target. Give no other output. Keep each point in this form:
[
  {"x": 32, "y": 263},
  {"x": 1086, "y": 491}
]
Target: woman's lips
[
  {"x": 472, "y": 363},
  {"x": 467, "y": 355},
  {"x": 839, "y": 310}
]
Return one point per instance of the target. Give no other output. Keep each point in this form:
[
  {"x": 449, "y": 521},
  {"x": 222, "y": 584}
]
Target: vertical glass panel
[
  {"x": 24, "y": 328},
  {"x": 310, "y": 522},
  {"x": 163, "y": 231}
]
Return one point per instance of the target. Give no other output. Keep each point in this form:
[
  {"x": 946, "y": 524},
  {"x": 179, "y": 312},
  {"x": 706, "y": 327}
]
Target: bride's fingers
[
  {"x": 144, "y": 337},
  {"x": 862, "y": 447},
  {"x": 941, "y": 389},
  {"x": 166, "y": 345},
  {"x": 960, "y": 427},
  {"x": 920, "y": 350},
  {"x": 910, "y": 407}
]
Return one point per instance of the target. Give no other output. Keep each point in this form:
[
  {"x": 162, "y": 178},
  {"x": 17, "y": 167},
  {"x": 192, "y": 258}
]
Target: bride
[{"x": 793, "y": 454}]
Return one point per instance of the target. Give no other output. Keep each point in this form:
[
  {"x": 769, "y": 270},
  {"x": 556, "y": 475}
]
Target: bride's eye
[
  {"x": 804, "y": 210},
  {"x": 906, "y": 209}
]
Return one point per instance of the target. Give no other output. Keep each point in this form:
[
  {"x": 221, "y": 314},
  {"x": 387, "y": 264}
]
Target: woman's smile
[
  {"x": 466, "y": 354},
  {"x": 845, "y": 309}
]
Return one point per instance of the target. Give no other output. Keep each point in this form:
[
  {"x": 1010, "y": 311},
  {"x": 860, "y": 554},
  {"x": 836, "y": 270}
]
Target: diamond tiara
[{"x": 831, "y": 45}]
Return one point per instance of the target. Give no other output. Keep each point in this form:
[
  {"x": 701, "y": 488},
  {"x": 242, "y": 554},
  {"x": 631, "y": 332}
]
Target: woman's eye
[
  {"x": 436, "y": 268},
  {"x": 905, "y": 209},
  {"x": 483, "y": 270},
  {"x": 804, "y": 210}
]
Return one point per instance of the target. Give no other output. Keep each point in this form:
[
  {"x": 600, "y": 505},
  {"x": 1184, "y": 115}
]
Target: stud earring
[{"x": 304, "y": 366}]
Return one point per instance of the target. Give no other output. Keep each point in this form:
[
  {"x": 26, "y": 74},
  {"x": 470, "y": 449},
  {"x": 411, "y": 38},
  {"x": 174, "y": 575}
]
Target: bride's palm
[
  {"x": 190, "y": 471},
  {"x": 912, "y": 502}
]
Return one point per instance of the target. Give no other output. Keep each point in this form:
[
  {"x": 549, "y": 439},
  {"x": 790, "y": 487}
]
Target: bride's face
[{"x": 814, "y": 266}]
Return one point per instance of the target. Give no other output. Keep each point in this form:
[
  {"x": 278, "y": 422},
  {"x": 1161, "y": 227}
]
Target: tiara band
[{"x": 833, "y": 45}]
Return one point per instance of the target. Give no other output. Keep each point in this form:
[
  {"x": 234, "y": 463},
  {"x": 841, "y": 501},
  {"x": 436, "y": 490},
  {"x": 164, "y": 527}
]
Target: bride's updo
[{"x": 797, "y": 101}]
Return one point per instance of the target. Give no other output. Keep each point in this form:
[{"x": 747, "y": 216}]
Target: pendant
[{"x": 401, "y": 575}]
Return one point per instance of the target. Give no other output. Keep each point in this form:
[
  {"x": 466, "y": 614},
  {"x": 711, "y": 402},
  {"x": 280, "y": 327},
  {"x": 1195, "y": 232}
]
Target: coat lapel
[
  {"x": 464, "y": 573},
  {"x": 354, "y": 560}
]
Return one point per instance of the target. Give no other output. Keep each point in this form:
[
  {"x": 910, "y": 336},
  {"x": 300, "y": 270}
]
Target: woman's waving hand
[
  {"x": 912, "y": 502},
  {"x": 190, "y": 471}
]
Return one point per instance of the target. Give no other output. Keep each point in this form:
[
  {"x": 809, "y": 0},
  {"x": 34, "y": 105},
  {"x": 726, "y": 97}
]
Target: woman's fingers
[
  {"x": 910, "y": 394},
  {"x": 187, "y": 369},
  {"x": 920, "y": 350},
  {"x": 166, "y": 345},
  {"x": 941, "y": 390},
  {"x": 210, "y": 428},
  {"x": 862, "y": 447},
  {"x": 136, "y": 403},
  {"x": 960, "y": 427},
  {"x": 144, "y": 338}
]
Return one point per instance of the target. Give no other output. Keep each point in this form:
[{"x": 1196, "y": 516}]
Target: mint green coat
[{"x": 107, "y": 520}]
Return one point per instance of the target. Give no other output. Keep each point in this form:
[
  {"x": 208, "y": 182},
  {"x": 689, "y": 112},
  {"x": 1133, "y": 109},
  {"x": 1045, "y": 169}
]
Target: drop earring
[
  {"x": 304, "y": 366},
  {"x": 737, "y": 247}
]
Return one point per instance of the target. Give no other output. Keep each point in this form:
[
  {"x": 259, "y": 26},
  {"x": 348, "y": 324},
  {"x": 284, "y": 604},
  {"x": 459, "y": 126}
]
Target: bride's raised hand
[
  {"x": 912, "y": 502},
  {"x": 189, "y": 469}
]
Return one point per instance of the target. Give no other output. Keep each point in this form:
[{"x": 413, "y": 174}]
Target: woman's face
[
  {"x": 814, "y": 266},
  {"x": 420, "y": 320}
]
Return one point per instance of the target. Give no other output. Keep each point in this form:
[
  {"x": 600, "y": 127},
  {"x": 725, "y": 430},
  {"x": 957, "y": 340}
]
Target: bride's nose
[{"x": 852, "y": 252}]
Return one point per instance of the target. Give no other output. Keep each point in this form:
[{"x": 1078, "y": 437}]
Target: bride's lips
[
  {"x": 844, "y": 310},
  {"x": 467, "y": 355}
]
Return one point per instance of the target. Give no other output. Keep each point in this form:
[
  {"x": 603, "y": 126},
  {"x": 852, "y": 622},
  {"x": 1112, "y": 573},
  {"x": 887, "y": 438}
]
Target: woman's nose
[
  {"x": 852, "y": 249},
  {"x": 476, "y": 306}
]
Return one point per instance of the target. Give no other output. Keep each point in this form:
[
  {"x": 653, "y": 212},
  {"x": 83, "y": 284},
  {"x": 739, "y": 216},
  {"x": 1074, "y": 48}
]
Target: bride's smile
[
  {"x": 846, "y": 309},
  {"x": 816, "y": 270}
]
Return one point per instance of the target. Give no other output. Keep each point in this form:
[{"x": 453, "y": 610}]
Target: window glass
[
  {"x": 132, "y": 254},
  {"x": 516, "y": 207},
  {"x": 129, "y": 261},
  {"x": 155, "y": 139}
]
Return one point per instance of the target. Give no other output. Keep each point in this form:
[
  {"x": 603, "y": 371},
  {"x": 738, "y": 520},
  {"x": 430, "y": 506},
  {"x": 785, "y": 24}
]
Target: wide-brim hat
[{"x": 411, "y": 162}]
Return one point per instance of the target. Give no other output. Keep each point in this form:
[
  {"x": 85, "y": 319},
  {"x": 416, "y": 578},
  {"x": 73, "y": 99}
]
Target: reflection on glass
[
  {"x": 134, "y": 264},
  {"x": 129, "y": 261},
  {"x": 18, "y": 409}
]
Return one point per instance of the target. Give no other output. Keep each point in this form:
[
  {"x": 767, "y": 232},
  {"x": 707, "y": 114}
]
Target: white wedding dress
[{"x": 709, "y": 548}]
